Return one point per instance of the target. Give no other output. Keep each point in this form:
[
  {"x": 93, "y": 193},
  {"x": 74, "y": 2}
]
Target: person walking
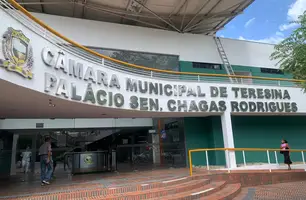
[
  {"x": 26, "y": 158},
  {"x": 285, "y": 151},
  {"x": 45, "y": 154},
  {"x": 25, "y": 161}
]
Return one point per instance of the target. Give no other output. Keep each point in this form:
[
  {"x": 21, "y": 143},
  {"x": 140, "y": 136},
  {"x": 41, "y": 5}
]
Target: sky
[{"x": 266, "y": 21}]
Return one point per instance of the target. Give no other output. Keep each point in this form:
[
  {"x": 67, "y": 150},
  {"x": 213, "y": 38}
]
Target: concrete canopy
[
  {"x": 18, "y": 102},
  {"x": 184, "y": 16}
]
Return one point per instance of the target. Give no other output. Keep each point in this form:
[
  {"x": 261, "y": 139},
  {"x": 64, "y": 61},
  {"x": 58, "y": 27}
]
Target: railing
[
  {"x": 267, "y": 156},
  {"x": 16, "y": 11}
]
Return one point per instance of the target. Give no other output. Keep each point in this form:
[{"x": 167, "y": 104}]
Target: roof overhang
[{"x": 184, "y": 16}]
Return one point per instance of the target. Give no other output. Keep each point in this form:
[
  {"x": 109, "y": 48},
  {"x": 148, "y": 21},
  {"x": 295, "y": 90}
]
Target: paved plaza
[{"x": 281, "y": 191}]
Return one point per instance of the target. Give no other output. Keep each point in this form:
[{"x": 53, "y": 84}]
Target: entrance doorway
[{"x": 122, "y": 149}]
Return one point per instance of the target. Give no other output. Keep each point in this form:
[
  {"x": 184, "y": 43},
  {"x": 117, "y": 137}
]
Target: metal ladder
[{"x": 225, "y": 61}]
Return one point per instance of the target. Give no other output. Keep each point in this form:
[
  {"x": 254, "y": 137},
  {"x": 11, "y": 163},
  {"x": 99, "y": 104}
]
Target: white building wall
[
  {"x": 59, "y": 85},
  {"x": 251, "y": 54},
  {"x": 190, "y": 47}
]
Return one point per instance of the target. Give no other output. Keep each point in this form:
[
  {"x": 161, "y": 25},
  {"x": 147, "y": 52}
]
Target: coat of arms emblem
[{"x": 17, "y": 52}]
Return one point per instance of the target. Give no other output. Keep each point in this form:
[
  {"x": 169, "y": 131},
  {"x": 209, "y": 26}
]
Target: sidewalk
[{"x": 281, "y": 191}]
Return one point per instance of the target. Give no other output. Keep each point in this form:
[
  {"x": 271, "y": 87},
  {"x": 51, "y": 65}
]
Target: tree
[{"x": 291, "y": 52}]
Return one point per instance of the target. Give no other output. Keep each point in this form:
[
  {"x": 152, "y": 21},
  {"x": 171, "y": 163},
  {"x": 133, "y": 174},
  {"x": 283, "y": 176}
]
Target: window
[
  {"x": 157, "y": 61},
  {"x": 271, "y": 71},
  {"x": 206, "y": 66}
]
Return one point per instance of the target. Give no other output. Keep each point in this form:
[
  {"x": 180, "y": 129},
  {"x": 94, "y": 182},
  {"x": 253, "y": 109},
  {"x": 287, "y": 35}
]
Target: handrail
[
  {"x": 42, "y": 24},
  {"x": 206, "y": 150},
  {"x": 244, "y": 149}
]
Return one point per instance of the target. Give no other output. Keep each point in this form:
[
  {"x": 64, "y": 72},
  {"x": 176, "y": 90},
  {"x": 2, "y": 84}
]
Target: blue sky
[{"x": 265, "y": 21}]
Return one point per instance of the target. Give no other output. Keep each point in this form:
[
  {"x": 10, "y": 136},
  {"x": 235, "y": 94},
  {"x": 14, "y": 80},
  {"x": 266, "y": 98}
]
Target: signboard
[
  {"x": 88, "y": 161},
  {"x": 152, "y": 131},
  {"x": 111, "y": 90}
]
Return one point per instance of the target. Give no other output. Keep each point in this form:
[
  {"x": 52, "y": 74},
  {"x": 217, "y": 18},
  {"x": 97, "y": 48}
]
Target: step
[
  {"x": 99, "y": 190},
  {"x": 159, "y": 192},
  {"x": 243, "y": 194},
  {"x": 196, "y": 193},
  {"x": 229, "y": 192}
]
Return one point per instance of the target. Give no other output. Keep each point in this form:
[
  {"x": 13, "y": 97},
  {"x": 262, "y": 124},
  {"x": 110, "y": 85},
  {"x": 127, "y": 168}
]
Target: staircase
[
  {"x": 173, "y": 184},
  {"x": 225, "y": 61},
  {"x": 181, "y": 188}
]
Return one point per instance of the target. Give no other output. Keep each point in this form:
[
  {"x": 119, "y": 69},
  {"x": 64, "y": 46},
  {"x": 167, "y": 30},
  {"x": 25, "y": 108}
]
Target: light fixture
[{"x": 51, "y": 104}]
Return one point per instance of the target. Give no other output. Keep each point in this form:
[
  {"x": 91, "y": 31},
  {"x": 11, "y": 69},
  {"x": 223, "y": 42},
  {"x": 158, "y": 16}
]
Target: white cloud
[
  {"x": 274, "y": 39},
  {"x": 284, "y": 27},
  {"x": 294, "y": 11},
  {"x": 248, "y": 23}
]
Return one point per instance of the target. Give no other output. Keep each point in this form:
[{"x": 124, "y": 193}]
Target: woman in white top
[{"x": 26, "y": 159}]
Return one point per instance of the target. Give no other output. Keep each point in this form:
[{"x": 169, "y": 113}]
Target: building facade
[{"x": 214, "y": 111}]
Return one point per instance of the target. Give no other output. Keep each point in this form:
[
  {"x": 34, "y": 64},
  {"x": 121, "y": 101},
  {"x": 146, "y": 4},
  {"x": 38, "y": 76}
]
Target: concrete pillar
[
  {"x": 13, "y": 159},
  {"x": 228, "y": 139},
  {"x": 156, "y": 139},
  {"x": 156, "y": 149}
]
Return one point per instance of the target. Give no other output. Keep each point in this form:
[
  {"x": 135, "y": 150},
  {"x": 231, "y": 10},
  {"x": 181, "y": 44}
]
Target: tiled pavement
[
  {"x": 281, "y": 191},
  {"x": 151, "y": 185},
  {"x": 88, "y": 181}
]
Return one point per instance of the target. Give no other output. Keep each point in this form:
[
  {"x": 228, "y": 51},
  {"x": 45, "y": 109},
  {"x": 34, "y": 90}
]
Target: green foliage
[{"x": 291, "y": 52}]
